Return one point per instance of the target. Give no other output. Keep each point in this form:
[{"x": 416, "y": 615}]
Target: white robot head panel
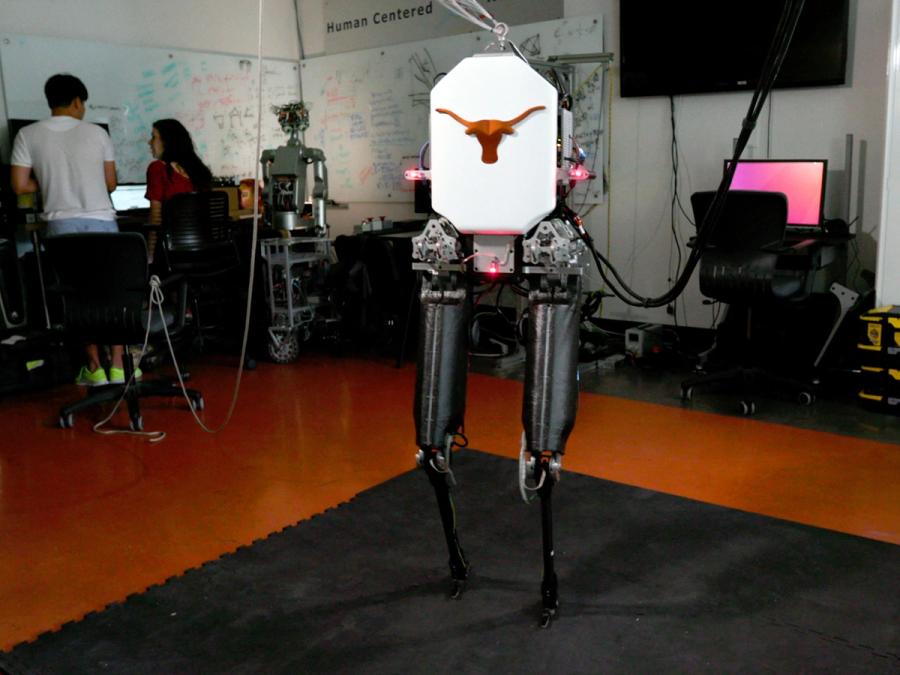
[{"x": 493, "y": 145}]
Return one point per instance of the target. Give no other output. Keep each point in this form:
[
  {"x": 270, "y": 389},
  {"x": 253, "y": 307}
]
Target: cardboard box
[{"x": 234, "y": 202}]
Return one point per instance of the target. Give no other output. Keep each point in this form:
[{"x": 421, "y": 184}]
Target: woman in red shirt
[{"x": 176, "y": 168}]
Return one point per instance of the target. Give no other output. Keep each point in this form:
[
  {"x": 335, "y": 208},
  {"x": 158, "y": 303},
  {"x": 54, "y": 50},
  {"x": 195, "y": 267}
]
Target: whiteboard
[
  {"x": 369, "y": 109},
  {"x": 213, "y": 95}
]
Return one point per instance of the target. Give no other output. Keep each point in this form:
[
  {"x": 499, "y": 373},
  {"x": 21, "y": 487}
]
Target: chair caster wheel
[
  {"x": 137, "y": 423},
  {"x": 198, "y": 404},
  {"x": 687, "y": 393},
  {"x": 748, "y": 408},
  {"x": 250, "y": 364},
  {"x": 67, "y": 421},
  {"x": 806, "y": 398}
]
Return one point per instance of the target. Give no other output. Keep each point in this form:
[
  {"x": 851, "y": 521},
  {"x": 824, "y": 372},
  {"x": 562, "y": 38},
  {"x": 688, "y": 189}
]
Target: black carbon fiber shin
[
  {"x": 551, "y": 369},
  {"x": 440, "y": 401}
]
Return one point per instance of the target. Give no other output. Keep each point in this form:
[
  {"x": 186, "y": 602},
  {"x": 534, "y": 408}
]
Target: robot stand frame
[{"x": 293, "y": 311}]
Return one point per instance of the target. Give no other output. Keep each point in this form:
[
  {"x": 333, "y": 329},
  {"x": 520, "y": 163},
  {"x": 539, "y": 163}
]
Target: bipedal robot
[
  {"x": 501, "y": 159},
  {"x": 298, "y": 260}
]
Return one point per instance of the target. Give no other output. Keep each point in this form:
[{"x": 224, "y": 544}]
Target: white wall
[
  {"x": 635, "y": 221},
  {"x": 203, "y": 25},
  {"x": 887, "y": 284}
]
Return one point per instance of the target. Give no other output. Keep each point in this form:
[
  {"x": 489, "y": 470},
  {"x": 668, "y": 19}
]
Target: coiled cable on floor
[{"x": 156, "y": 298}]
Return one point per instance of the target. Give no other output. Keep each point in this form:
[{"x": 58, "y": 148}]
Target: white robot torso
[{"x": 493, "y": 146}]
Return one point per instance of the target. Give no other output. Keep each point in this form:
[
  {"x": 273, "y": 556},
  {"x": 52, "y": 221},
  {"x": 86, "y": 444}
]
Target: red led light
[
  {"x": 578, "y": 172},
  {"x": 414, "y": 174},
  {"x": 492, "y": 269}
]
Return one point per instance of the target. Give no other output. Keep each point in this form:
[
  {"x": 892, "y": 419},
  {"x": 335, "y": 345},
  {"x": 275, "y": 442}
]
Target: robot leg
[
  {"x": 551, "y": 401},
  {"x": 440, "y": 399}
]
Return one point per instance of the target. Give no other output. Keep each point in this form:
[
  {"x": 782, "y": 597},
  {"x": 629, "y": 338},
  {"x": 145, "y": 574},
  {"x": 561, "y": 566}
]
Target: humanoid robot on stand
[
  {"x": 501, "y": 161},
  {"x": 298, "y": 259}
]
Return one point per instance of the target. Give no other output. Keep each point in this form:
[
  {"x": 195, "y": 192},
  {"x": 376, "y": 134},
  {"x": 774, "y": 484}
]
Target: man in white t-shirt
[{"x": 71, "y": 162}]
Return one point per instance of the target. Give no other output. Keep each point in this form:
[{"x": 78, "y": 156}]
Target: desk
[
  {"x": 131, "y": 221},
  {"x": 829, "y": 253}
]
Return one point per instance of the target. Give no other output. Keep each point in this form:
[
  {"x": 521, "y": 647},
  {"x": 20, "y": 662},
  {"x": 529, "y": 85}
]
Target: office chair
[
  {"x": 197, "y": 242},
  {"x": 103, "y": 282},
  {"x": 352, "y": 289},
  {"x": 749, "y": 265},
  {"x": 391, "y": 283}
]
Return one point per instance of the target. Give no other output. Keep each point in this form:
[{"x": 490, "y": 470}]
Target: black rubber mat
[{"x": 648, "y": 583}]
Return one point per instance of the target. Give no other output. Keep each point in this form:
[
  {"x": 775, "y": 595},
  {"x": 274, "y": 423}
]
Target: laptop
[
  {"x": 801, "y": 180},
  {"x": 126, "y": 199}
]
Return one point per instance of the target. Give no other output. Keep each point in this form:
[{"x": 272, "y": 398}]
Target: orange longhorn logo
[{"x": 490, "y": 132}]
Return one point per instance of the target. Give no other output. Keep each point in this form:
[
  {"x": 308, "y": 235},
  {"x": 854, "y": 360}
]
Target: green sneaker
[
  {"x": 86, "y": 378},
  {"x": 117, "y": 375}
]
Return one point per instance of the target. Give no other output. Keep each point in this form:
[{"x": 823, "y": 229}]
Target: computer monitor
[
  {"x": 14, "y": 125},
  {"x": 801, "y": 180},
  {"x": 130, "y": 197}
]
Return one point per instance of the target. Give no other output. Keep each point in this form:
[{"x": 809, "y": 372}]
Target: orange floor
[{"x": 86, "y": 520}]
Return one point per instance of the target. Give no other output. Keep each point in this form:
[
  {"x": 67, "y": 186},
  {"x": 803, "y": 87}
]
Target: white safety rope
[
  {"x": 473, "y": 12},
  {"x": 157, "y": 298}
]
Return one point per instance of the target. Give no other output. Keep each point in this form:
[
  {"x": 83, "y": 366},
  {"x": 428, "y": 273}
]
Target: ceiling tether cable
[{"x": 784, "y": 32}]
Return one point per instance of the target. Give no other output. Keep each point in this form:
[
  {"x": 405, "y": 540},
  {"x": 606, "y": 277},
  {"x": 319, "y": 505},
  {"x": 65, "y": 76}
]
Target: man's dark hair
[{"x": 62, "y": 89}]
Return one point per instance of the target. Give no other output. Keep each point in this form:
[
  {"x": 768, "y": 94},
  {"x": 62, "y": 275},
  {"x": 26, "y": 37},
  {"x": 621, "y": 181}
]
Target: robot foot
[
  {"x": 549, "y": 600},
  {"x": 547, "y": 616},
  {"x": 459, "y": 574},
  {"x": 457, "y": 587}
]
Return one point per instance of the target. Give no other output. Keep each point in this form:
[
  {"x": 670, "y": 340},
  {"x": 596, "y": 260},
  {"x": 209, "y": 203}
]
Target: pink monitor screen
[{"x": 803, "y": 181}]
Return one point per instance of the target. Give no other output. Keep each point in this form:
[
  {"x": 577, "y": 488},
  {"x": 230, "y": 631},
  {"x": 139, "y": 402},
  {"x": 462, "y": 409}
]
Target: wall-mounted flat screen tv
[{"x": 704, "y": 46}]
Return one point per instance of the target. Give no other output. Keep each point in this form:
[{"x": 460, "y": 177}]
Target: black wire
[
  {"x": 478, "y": 294},
  {"x": 855, "y": 260},
  {"x": 519, "y": 290},
  {"x": 465, "y": 440},
  {"x": 499, "y": 296},
  {"x": 674, "y": 185},
  {"x": 774, "y": 59},
  {"x": 560, "y": 87},
  {"x": 717, "y": 307},
  {"x": 422, "y": 150},
  {"x": 676, "y": 239}
]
